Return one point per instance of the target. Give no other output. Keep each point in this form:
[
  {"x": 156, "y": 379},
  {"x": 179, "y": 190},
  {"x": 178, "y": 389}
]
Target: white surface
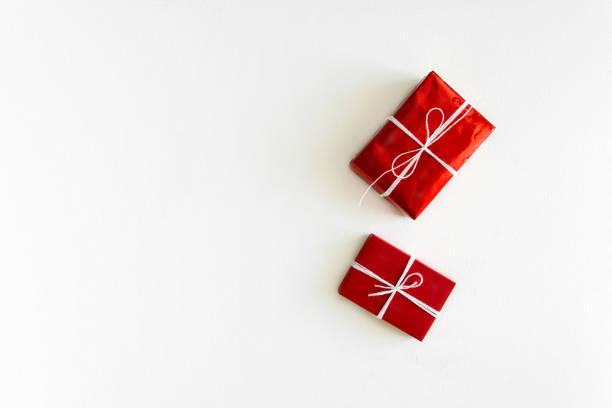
[{"x": 177, "y": 209}]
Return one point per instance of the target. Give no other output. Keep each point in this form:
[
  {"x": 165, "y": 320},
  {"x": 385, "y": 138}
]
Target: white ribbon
[
  {"x": 391, "y": 290},
  {"x": 411, "y": 163}
]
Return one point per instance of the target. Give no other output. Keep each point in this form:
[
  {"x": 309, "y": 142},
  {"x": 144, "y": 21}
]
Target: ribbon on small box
[
  {"x": 411, "y": 163},
  {"x": 400, "y": 287}
]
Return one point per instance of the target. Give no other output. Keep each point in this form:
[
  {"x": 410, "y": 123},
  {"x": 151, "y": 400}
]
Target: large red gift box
[
  {"x": 396, "y": 287},
  {"x": 422, "y": 146}
]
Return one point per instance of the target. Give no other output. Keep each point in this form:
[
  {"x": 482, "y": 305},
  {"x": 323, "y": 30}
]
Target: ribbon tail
[
  {"x": 407, "y": 172},
  {"x": 385, "y": 306},
  {"x": 367, "y": 190},
  {"x": 383, "y": 292}
]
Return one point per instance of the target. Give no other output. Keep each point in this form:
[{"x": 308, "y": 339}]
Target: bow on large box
[{"x": 406, "y": 162}]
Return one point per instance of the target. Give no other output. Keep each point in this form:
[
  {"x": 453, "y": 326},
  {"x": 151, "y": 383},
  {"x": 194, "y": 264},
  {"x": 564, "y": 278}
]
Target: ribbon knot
[
  {"x": 410, "y": 164},
  {"x": 399, "y": 288}
]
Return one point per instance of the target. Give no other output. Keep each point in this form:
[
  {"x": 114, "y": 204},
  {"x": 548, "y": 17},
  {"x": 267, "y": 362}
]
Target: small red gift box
[
  {"x": 396, "y": 287},
  {"x": 422, "y": 146}
]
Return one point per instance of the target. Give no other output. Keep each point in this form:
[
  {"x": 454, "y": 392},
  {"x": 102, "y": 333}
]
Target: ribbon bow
[
  {"x": 400, "y": 287},
  {"x": 410, "y": 164}
]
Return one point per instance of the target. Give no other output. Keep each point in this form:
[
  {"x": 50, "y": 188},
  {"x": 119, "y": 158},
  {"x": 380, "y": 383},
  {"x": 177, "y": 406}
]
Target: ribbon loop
[
  {"x": 415, "y": 284},
  {"x": 430, "y": 139},
  {"x": 401, "y": 286},
  {"x": 409, "y": 165}
]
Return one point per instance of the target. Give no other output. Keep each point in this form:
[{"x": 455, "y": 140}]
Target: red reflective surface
[
  {"x": 388, "y": 262},
  {"x": 413, "y": 194}
]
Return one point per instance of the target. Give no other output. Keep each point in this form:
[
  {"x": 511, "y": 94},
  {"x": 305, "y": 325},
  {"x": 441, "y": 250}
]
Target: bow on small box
[
  {"x": 400, "y": 287},
  {"x": 396, "y": 287}
]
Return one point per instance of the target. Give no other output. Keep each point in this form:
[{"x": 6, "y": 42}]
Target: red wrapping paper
[
  {"x": 413, "y": 194},
  {"x": 388, "y": 262}
]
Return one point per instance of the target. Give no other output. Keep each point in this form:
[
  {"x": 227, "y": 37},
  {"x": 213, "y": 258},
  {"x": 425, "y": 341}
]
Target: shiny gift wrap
[
  {"x": 408, "y": 173},
  {"x": 396, "y": 287}
]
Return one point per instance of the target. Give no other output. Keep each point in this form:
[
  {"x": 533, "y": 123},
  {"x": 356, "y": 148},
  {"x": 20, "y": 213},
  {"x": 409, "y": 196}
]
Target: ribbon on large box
[{"x": 410, "y": 164}]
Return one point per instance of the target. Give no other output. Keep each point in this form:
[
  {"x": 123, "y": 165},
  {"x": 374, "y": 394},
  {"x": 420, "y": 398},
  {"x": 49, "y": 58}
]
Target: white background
[{"x": 177, "y": 209}]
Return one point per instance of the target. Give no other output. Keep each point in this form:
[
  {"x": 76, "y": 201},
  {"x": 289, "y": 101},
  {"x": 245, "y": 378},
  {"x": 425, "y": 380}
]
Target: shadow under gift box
[
  {"x": 412, "y": 194},
  {"x": 389, "y": 264}
]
